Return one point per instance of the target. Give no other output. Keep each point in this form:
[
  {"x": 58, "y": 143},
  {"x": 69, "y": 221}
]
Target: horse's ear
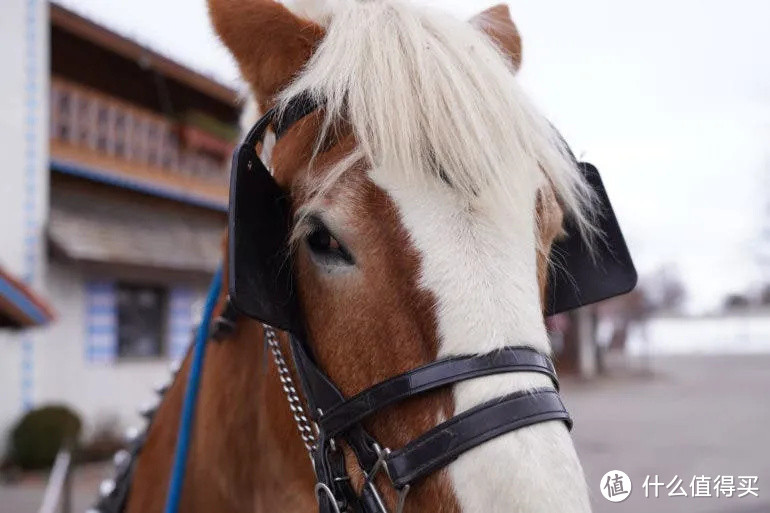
[
  {"x": 268, "y": 41},
  {"x": 496, "y": 22}
]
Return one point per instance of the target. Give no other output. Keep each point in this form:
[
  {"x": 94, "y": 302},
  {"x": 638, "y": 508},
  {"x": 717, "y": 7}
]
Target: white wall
[
  {"x": 731, "y": 334},
  {"x": 23, "y": 134},
  {"x": 10, "y": 379},
  {"x": 23, "y": 180},
  {"x": 96, "y": 390},
  {"x": 47, "y": 365},
  {"x": 62, "y": 374}
]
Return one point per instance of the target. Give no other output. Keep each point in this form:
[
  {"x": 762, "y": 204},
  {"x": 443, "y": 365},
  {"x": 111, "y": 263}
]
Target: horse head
[
  {"x": 425, "y": 193},
  {"x": 402, "y": 238}
]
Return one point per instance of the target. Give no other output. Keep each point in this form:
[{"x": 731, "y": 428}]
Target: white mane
[
  {"x": 431, "y": 96},
  {"x": 431, "y": 100}
]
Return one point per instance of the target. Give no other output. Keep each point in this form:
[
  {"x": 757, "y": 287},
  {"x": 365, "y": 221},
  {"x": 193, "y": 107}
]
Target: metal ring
[{"x": 402, "y": 493}]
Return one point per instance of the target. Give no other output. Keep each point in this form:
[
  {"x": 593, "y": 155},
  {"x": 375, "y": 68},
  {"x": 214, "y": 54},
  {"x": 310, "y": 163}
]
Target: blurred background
[{"x": 117, "y": 120}]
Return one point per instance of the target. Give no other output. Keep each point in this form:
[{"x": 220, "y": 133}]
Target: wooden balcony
[{"x": 115, "y": 140}]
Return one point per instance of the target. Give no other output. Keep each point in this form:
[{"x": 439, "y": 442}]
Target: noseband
[{"x": 336, "y": 418}]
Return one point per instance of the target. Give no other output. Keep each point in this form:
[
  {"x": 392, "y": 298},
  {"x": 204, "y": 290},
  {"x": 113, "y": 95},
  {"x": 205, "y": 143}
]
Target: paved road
[
  {"x": 26, "y": 497},
  {"x": 706, "y": 415},
  {"x": 689, "y": 416}
]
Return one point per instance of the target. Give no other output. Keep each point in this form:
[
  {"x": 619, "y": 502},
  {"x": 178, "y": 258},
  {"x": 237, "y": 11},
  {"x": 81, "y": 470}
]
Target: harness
[{"x": 261, "y": 287}]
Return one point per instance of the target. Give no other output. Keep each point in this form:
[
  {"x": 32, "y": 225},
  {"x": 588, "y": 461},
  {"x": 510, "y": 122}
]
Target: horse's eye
[{"x": 324, "y": 246}]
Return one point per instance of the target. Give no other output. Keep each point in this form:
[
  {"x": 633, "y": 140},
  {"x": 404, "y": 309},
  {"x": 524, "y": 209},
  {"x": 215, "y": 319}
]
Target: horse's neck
[{"x": 245, "y": 454}]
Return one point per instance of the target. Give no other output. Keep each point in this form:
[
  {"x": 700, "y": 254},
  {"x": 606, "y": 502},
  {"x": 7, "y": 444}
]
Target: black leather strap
[
  {"x": 444, "y": 443},
  {"x": 299, "y": 107},
  {"x": 441, "y": 445},
  {"x": 224, "y": 324},
  {"x": 321, "y": 394},
  {"x": 430, "y": 377},
  {"x": 329, "y": 465}
]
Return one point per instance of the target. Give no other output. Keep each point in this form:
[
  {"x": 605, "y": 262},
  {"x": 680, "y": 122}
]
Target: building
[{"x": 114, "y": 203}]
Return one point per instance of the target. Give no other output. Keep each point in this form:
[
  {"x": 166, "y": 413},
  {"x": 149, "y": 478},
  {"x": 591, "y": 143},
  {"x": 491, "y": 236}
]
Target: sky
[{"x": 670, "y": 99}]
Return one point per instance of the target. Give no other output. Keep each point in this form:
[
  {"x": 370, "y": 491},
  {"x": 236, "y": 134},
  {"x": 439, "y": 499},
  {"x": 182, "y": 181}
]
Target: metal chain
[{"x": 304, "y": 425}]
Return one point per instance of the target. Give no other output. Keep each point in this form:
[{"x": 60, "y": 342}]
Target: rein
[
  {"x": 191, "y": 395},
  {"x": 113, "y": 493}
]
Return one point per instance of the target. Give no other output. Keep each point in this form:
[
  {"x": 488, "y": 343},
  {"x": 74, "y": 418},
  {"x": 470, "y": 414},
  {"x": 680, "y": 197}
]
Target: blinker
[
  {"x": 260, "y": 270},
  {"x": 581, "y": 275}
]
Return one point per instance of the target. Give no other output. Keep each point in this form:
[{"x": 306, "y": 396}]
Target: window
[{"x": 141, "y": 312}]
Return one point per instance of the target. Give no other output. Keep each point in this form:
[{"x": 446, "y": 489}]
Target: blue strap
[{"x": 191, "y": 396}]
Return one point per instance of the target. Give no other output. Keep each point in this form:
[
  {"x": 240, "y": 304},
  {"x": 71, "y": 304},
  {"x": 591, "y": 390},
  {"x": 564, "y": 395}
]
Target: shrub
[{"x": 38, "y": 436}]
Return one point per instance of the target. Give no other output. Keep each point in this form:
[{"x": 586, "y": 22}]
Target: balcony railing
[{"x": 87, "y": 123}]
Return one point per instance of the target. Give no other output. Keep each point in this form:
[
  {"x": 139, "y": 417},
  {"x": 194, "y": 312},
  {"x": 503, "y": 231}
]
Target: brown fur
[
  {"x": 550, "y": 218},
  {"x": 269, "y": 43},
  {"x": 498, "y": 25},
  {"x": 369, "y": 324},
  {"x": 375, "y": 322}
]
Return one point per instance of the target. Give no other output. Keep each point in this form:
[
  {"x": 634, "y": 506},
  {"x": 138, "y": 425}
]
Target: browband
[
  {"x": 281, "y": 119},
  {"x": 296, "y": 109}
]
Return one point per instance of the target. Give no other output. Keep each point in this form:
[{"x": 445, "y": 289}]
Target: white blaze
[
  {"x": 480, "y": 264},
  {"x": 423, "y": 91}
]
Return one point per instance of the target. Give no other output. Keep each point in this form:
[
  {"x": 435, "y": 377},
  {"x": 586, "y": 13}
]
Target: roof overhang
[
  {"x": 19, "y": 306},
  {"x": 121, "y": 230}
]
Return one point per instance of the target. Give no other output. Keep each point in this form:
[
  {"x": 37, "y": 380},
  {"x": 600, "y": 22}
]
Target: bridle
[
  {"x": 334, "y": 417},
  {"x": 260, "y": 287},
  {"x": 331, "y": 417}
]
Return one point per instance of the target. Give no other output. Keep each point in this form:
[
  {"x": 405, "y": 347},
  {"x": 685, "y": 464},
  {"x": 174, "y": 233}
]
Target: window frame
[{"x": 160, "y": 330}]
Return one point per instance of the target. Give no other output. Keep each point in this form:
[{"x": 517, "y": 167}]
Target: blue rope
[{"x": 191, "y": 395}]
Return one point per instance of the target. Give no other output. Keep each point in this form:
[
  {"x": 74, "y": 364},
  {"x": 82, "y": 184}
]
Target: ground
[
  {"x": 683, "y": 416},
  {"x": 687, "y": 416}
]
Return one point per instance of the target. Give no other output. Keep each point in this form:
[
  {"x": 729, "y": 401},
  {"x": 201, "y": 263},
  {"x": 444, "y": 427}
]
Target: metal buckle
[
  {"x": 381, "y": 466},
  {"x": 380, "y": 463},
  {"x": 330, "y": 450}
]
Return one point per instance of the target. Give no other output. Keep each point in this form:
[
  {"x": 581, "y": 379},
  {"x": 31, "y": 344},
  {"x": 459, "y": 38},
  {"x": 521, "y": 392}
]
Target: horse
[{"x": 425, "y": 194}]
